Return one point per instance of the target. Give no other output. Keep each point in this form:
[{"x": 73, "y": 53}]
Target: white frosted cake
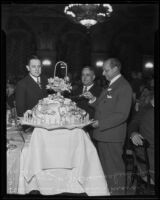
[{"x": 56, "y": 110}]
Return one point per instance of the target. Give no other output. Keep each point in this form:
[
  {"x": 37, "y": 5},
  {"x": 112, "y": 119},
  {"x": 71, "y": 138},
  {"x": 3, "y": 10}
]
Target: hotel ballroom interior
[{"x": 79, "y": 99}]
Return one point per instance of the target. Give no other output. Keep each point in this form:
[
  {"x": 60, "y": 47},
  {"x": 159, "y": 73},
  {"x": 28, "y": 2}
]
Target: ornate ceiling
[
  {"x": 130, "y": 28},
  {"x": 127, "y": 12}
]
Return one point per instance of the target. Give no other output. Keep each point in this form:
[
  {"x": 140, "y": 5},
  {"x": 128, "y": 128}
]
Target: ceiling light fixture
[{"x": 88, "y": 14}]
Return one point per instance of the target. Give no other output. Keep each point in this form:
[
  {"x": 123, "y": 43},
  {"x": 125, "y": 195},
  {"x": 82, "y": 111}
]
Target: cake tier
[{"x": 55, "y": 109}]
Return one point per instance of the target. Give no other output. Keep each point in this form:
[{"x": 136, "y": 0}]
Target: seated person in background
[
  {"x": 32, "y": 88},
  {"x": 137, "y": 84},
  {"x": 10, "y": 96},
  {"x": 87, "y": 78},
  {"x": 144, "y": 98},
  {"x": 11, "y": 101},
  {"x": 76, "y": 82},
  {"x": 142, "y": 127}
]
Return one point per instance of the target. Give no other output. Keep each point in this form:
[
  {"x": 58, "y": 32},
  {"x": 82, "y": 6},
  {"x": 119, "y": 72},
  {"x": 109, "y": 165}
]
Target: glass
[
  {"x": 8, "y": 116},
  {"x": 10, "y": 146},
  {"x": 12, "y": 123}
]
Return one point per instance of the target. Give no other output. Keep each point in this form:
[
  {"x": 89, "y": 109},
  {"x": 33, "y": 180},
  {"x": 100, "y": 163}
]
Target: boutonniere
[{"x": 109, "y": 93}]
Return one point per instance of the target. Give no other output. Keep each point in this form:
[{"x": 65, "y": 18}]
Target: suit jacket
[
  {"x": 82, "y": 102},
  {"x": 28, "y": 93},
  {"x": 143, "y": 123},
  {"x": 112, "y": 111}
]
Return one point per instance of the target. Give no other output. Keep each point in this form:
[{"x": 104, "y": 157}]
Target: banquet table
[
  {"x": 61, "y": 161},
  {"x": 13, "y": 159}
]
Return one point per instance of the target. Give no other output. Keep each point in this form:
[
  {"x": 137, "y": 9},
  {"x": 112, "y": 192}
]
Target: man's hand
[
  {"x": 137, "y": 138},
  {"x": 95, "y": 124},
  {"x": 89, "y": 95}
]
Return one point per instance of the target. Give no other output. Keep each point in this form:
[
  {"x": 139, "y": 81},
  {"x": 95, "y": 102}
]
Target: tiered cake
[{"x": 56, "y": 110}]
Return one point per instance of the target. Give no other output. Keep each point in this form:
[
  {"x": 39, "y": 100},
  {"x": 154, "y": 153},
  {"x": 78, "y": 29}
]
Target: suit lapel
[
  {"x": 33, "y": 83},
  {"x": 91, "y": 89},
  {"x": 103, "y": 93},
  {"x": 117, "y": 82},
  {"x": 80, "y": 89},
  {"x": 43, "y": 82},
  {"x": 113, "y": 86}
]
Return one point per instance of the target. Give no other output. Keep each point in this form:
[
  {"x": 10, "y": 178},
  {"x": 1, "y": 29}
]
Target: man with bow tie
[
  {"x": 32, "y": 88},
  {"x": 111, "y": 112}
]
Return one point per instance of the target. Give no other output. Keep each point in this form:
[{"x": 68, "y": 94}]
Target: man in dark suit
[
  {"x": 111, "y": 112},
  {"x": 142, "y": 127},
  {"x": 87, "y": 78},
  {"x": 32, "y": 88}
]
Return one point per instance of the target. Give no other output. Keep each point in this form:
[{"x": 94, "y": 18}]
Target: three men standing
[{"x": 111, "y": 109}]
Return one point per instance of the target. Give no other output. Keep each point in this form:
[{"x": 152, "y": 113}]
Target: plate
[
  {"x": 9, "y": 126},
  {"x": 13, "y": 128},
  {"x": 11, "y": 146},
  {"x": 54, "y": 127}
]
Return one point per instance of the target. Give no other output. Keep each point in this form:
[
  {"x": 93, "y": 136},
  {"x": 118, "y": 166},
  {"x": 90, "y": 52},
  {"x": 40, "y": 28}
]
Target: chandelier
[{"x": 88, "y": 14}]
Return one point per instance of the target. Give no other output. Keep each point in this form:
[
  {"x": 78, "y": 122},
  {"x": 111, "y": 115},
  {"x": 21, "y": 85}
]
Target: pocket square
[
  {"x": 109, "y": 96},
  {"x": 109, "y": 93}
]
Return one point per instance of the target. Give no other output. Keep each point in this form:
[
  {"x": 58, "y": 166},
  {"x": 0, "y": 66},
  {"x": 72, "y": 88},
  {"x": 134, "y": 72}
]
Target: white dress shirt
[
  {"x": 111, "y": 82},
  {"x": 88, "y": 87},
  {"x": 114, "y": 79},
  {"x": 35, "y": 78}
]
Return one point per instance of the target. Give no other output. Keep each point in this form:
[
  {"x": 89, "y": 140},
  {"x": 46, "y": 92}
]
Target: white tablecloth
[
  {"x": 13, "y": 160},
  {"x": 60, "y": 161}
]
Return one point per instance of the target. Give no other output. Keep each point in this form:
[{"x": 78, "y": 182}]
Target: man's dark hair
[
  {"x": 114, "y": 62},
  {"x": 32, "y": 57},
  {"x": 90, "y": 68}
]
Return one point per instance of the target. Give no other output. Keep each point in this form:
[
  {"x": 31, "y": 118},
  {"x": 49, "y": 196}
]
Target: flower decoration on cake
[
  {"x": 59, "y": 84},
  {"x": 57, "y": 111}
]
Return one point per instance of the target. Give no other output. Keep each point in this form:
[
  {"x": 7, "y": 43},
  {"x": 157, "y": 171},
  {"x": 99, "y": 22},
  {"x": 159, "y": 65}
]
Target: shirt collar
[
  {"x": 114, "y": 79},
  {"x": 88, "y": 87},
  {"x": 34, "y": 78}
]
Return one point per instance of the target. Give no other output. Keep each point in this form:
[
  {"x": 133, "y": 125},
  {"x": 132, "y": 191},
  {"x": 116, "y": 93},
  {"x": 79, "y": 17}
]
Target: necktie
[
  {"x": 85, "y": 89},
  {"x": 38, "y": 82}
]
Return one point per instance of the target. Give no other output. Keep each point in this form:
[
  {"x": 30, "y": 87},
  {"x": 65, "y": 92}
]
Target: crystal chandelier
[{"x": 88, "y": 14}]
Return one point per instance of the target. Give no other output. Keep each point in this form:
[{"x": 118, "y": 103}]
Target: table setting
[
  {"x": 15, "y": 139},
  {"x": 58, "y": 156},
  {"x": 14, "y": 144},
  {"x": 52, "y": 154}
]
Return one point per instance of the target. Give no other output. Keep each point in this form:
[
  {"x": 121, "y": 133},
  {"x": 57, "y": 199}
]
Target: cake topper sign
[
  {"x": 63, "y": 64},
  {"x": 59, "y": 84}
]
